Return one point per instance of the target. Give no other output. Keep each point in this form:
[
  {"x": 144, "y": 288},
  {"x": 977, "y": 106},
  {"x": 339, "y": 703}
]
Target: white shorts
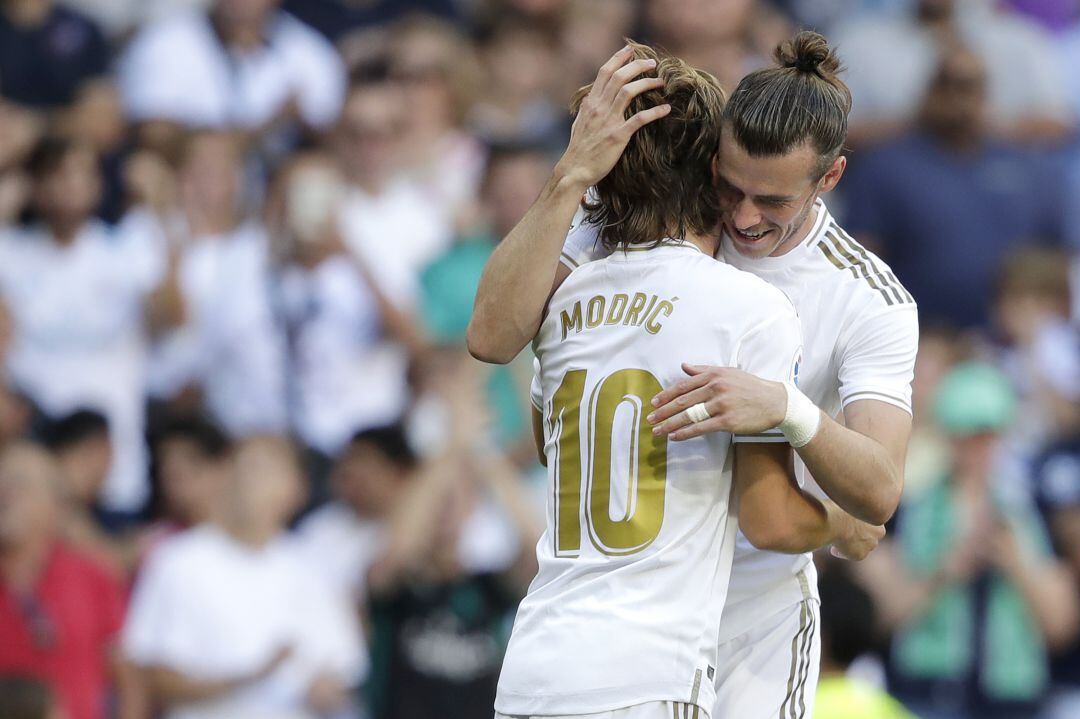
[
  {"x": 648, "y": 710},
  {"x": 770, "y": 671}
]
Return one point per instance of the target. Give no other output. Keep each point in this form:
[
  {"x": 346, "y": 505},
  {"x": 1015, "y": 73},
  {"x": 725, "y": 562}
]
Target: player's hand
[
  {"x": 601, "y": 130},
  {"x": 737, "y": 402},
  {"x": 858, "y": 541}
]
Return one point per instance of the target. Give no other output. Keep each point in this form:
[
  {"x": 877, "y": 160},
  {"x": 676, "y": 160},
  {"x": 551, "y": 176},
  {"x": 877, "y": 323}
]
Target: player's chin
[{"x": 755, "y": 247}]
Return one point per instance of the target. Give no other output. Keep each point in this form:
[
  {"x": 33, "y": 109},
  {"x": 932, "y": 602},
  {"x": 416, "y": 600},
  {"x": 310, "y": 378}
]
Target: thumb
[{"x": 838, "y": 554}]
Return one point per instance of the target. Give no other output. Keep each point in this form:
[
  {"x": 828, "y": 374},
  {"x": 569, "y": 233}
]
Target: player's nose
[{"x": 745, "y": 215}]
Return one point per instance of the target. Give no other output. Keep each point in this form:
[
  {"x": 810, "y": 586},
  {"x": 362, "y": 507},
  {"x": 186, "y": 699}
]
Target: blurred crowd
[{"x": 247, "y": 467}]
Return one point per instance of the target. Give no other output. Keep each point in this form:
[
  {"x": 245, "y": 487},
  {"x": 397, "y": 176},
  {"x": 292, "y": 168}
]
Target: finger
[
  {"x": 603, "y": 76},
  {"x": 679, "y": 404},
  {"x": 694, "y": 369},
  {"x": 622, "y": 76},
  {"x": 837, "y": 553},
  {"x": 631, "y": 90},
  {"x": 673, "y": 424},
  {"x": 697, "y": 429},
  {"x": 643, "y": 118},
  {"x": 677, "y": 389}
]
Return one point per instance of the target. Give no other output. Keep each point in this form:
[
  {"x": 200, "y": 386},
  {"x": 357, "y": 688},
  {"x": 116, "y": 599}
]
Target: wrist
[
  {"x": 802, "y": 418},
  {"x": 567, "y": 180}
]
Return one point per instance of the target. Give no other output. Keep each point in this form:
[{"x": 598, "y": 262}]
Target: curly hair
[{"x": 662, "y": 185}]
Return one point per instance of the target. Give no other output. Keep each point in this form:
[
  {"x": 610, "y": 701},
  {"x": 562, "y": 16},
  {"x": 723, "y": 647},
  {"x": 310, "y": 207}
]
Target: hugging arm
[{"x": 521, "y": 274}]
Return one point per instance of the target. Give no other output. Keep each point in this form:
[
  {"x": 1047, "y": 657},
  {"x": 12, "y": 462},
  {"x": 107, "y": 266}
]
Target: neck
[
  {"x": 64, "y": 231},
  {"x": 708, "y": 244},
  {"x": 27, "y": 13},
  {"x": 21, "y": 564},
  {"x": 240, "y": 35},
  {"x": 251, "y": 533}
]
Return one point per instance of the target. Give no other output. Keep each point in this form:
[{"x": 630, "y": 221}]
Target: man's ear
[{"x": 832, "y": 176}]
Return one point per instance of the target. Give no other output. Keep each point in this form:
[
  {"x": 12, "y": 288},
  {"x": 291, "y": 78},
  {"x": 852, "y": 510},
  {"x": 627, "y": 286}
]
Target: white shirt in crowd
[
  {"x": 177, "y": 69},
  {"x": 79, "y": 341},
  {"x": 342, "y": 545},
  {"x": 395, "y": 233},
  {"x": 211, "y": 608},
  {"x": 891, "y": 61},
  {"x": 346, "y": 376},
  {"x": 232, "y": 345}
]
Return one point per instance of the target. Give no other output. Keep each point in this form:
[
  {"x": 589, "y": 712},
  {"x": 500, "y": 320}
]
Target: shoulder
[
  {"x": 298, "y": 35},
  {"x": 858, "y": 277}
]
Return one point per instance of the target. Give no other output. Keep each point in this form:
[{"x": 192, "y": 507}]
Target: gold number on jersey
[{"x": 646, "y": 463}]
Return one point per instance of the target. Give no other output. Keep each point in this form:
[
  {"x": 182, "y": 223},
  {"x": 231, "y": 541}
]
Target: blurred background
[{"x": 249, "y": 471}]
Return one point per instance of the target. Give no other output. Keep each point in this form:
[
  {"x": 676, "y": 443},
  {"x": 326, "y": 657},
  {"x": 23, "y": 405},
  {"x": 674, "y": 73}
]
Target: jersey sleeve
[
  {"x": 877, "y": 360},
  {"x": 582, "y": 243},
  {"x": 536, "y": 391},
  {"x": 771, "y": 350}
]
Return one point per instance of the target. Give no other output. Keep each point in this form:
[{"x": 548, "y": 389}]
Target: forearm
[
  {"x": 854, "y": 470},
  {"x": 170, "y": 687},
  {"x": 518, "y": 277},
  {"x": 1049, "y": 592}
]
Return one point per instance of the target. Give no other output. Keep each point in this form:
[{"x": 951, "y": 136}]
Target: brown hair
[
  {"x": 776, "y": 110},
  {"x": 1041, "y": 272},
  {"x": 662, "y": 184}
]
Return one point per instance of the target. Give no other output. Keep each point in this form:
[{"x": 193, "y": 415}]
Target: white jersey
[
  {"x": 861, "y": 334},
  {"x": 635, "y": 559}
]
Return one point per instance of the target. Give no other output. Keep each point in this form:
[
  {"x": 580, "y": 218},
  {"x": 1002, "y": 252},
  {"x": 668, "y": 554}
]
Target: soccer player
[
  {"x": 623, "y": 614},
  {"x": 780, "y": 150}
]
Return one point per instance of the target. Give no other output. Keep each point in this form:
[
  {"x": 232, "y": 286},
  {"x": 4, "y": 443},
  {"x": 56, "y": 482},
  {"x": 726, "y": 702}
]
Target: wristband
[{"x": 802, "y": 419}]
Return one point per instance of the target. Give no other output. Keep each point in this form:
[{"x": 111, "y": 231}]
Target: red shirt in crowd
[{"x": 63, "y": 631}]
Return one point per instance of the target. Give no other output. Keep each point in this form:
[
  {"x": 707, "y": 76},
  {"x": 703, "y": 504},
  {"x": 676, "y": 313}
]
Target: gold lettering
[
  {"x": 633, "y": 316},
  {"x": 649, "y": 309},
  {"x": 618, "y": 306},
  {"x": 594, "y": 313},
  {"x": 571, "y": 321},
  {"x": 652, "y": 326}
]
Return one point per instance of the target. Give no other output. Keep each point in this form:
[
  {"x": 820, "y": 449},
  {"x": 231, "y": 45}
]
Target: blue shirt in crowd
[{"x": 945, "y": 220}]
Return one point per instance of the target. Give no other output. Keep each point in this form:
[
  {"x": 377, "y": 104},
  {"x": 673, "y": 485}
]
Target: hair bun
[{"x": 808, "y": 52}]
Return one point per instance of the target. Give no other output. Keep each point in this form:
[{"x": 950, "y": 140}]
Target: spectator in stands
[
  {"x": 190, "y": 470},
  {"x": 77, "y": 290},
  {"x": 387, "y": 220},
  {"x": 969, "y": 584},
  {"x": 946, "y": 202},
  {"x": 228, "y": 621},
  {"x": 60, "y": 611},
  {"x": 1042, "y": 349},
  {"x": 231, "y": 349},
  {"x": 892, "y": 62},
  {"x": 48, "y": 53},
  {"x": 438, "y": 72},
  {"x": 849, "y": 627},
  {"x": 22, "y": 698},
  {"x": 522, "y": 70},
  {"x": 439, "y": 598},
  {"x": 348, "y": 344},
  {"x": 246, "y": 65},
  {"x": 337, "y": 18},
  {"x": 16, "y": 414},
  {"x": 514, "y": 177},
  {"x": 345, "y": 536},
  {"x": 1057, "y": 488},
  {"x": 81, "y": 446},
  {"x": 591, "y": 33}
]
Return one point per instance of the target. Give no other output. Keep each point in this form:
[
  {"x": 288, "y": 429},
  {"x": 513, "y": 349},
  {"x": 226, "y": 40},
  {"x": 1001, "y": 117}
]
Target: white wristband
[{"x": 802, "y": 419}]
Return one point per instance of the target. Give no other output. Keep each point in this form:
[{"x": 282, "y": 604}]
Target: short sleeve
[
  {"x": 771, "y": 350},
  {"x": 536, "y": 391},
  {"x": 156, "y": 632},
  {"x": 877, "y": 360},
  {"x": 582, "y": 243}
]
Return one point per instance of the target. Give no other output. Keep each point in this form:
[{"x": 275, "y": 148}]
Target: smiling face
[{"x": 768, "y": 202}]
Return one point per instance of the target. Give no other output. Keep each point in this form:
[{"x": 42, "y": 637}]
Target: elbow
[
  {"x": 775, "y": 536},
  {"x": 482, "y": 348}
]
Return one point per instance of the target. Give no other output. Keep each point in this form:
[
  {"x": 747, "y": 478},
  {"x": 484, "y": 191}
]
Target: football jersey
[
  {"x": 860, "y": 337},
  {"x": 635, "y": 557}
]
